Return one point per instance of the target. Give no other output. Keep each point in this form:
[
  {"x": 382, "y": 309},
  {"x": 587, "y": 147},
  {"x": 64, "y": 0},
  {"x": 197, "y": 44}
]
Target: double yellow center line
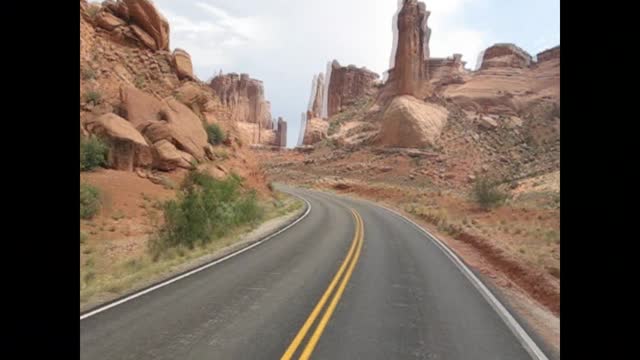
[{"x": 348, "y": 264}]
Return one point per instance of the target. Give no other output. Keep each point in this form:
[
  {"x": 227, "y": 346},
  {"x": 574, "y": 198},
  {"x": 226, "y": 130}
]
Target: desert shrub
[
  {"x": 89, "y": 201},
  {"x": 93, "y": 153},
  {"x": 215, "y": 134},
  {"x": 486, "y": 193},
  {"x": 88, "y": 73},
  {"x": 93, "y": 96},
  {"x": 206, "y": 209}
]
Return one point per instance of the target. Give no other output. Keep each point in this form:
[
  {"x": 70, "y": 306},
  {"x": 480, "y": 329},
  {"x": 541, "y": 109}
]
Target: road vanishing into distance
[{"x": 350, "y": 280}]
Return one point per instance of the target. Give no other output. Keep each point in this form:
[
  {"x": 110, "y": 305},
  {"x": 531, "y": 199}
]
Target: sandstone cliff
[
  {"x": 242, "y": 100},
  {"x": 347, "y": 84},
  {"x": 145, "y": 102}
]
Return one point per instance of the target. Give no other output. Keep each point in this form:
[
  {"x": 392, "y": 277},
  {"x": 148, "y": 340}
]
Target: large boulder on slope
[{"x": 409, "y": 122}]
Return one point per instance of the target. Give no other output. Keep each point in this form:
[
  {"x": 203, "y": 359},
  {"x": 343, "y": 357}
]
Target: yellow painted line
[
  {"x": 316, "y": 311},
  {"x": 306, "y": 354}
]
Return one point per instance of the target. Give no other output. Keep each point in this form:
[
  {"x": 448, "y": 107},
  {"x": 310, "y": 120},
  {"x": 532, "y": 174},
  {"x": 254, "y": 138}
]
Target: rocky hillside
[
  {"x": 148, "y": 106},
  {"x": 502, "y": 119}
]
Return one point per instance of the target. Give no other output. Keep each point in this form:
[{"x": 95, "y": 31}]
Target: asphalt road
[{"x": 400, "y": 298}]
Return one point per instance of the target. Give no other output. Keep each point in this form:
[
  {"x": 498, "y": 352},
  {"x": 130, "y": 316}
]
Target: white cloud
[
  {"x": 218, "y": 38},
  {"x": 449, "y": 35}
]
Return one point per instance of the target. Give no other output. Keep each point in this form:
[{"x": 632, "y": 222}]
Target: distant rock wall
[
  {"x": 347, "y": 84},
  {"x": 244, "y": 97}
]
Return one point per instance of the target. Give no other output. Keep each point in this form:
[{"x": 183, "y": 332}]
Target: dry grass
[{"x": 103, "y": 275}]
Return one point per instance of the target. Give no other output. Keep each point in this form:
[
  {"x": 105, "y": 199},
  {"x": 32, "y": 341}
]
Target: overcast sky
[{"x": 285, "y": 42}]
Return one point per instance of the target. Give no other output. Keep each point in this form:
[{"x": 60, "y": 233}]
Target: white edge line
[
  {"x": 529, "y": 345},
  {"x": 196, "y": 270}
]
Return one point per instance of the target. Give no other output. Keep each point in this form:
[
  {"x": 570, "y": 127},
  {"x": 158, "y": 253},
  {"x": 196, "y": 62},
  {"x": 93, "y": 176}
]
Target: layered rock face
[
  {"x": 505, "y": 55},
  {"x": 244, "y": 97},
  {"x": 315, "y": 131},
  {"x": 446, "y": 70},
  {"x": 145, "y": 15},
  {"x": 508, "y": 82},
  {"x": 412, "y": 48},
  {"x": 135, "y": 21},
  {"x": 410, "y": 69},
  {"x": 242, "y": 101},
  {"x": 549, "y": 54},
  {"x": 316, "y": 100},
  {"x": 348, "y": 84},
  {"x": 145, "y": 103}
]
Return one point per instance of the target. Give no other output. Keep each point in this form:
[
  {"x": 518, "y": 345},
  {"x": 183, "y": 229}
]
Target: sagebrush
[
  {"x": 90, "y": 201},
  {"x": 93, "y": 153},
  {"x": 206, "y": 209},
  {"x": 487, "y": 194}
]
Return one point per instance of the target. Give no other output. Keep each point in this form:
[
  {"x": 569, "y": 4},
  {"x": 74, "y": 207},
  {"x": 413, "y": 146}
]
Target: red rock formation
[
  {"x": 281, "y": 133},
  {"x": 549, "y": 54},
  {"x": 505, "y": 55},
  {"x": 347, "y": 84},
  {"x": 315, "y": 131},
  {"x": 508, "y": 82},
  {"x": 410, "y": 66},
  {"x": 182, "y": 63},
  {"x": 244, "y": 97},
  {"x": 145, "y": 15},
  {"x": 317, "y": 96}
]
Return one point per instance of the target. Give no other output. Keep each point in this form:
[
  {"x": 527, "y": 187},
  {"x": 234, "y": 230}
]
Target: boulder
[
  {"x": 182, "y": 63},
  {"x": 127, "y": 147},
  {"x": 409, "y": 122},
  {"x": 166, "y": 119},
  {"x": 140, "y": 107},
  {"x": 167, "y": 157},
  {"x": 146, "y": 39},
  {"x": 190, "y": 93},
  {"x": 487, "y": 123},
  {"x": 144, "y": 14},
  {"x": 108, "y": 21},
  {"x": 118, "y": 8}
]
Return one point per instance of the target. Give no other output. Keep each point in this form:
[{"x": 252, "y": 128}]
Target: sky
[{"x": 285, "y": 42}]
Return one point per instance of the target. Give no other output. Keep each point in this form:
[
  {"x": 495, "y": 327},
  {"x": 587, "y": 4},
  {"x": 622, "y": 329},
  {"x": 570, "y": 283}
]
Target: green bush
[
  {"x": 93, "y": 96},
  {"x": 89, "y": 201},
  {"x": 206, "y": 209},
  {"x": 215, "y": 134},
  {"x": 93, "y": 153},
  {"x": 487, "y": 194}
]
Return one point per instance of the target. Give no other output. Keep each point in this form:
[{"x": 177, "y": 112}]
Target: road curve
[{"x": 398, "y": 297}]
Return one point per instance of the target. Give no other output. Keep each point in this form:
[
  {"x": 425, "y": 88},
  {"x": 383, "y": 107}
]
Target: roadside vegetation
[
  {"x": 90, "y": 201},
  {"x": 93, "y": 153},
  {"x": 487, "y": 194},
  {"x": 206, "y": 210},
  {"x": 206, "y": 216}
]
